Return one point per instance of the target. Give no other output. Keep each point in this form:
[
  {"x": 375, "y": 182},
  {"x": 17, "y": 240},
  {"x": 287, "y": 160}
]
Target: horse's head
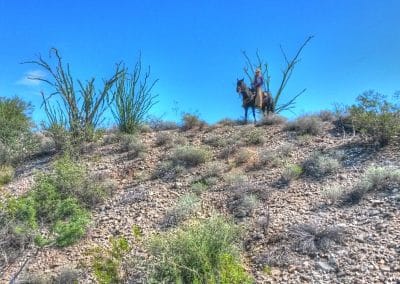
[{"x": 240, "y": 85}]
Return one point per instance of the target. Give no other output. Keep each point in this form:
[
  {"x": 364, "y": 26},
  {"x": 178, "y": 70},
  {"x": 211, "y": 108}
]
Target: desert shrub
[
  {"x": 158, "y": 124},
  {"x": 333, "y": 193},
  {"x": 228, "y": 151},
  {"x": 227, "y": 122},
  {"x": 319, "y": 165},
  {"x": 215, "y": 140},
  {"x": 164, "y": 139},
  {"x": 273, "y": 119},
  {"x": 243, "y": 156},
  {"x": 199, "y": 186},
  {"x": 6, "y": 174},
  {"x": 131, "y": 143},
  {"x": 291, "y": 172},
  {"x": 376, "y": 117},
  {"x": 16, "y": 138},
  {"x": 240, "y": 203},
  {"x": 167, "y": 171},
  {"x": 67, "y": 276},
  {"x": 375, "y": 179},
  {"x": 186, "y": 206},
  {"x": 55, "y": 210},
  {"x": 327, "y": 115},
  {"x": 199, "y": 252},
  {"x": 311, "y": 125},
  {"x": 191, "y": 121},
  {"x": 189, "y": 156},
  {"x": 310, "y": 239},
  {"x": 379, "y": 179},
  {"x": 235, "y": 177},
  {"x": 107, "y": 262},
  {"x": 253, "y": 136}
]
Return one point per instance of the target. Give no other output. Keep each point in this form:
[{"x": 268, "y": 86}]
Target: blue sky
[{"x": 194, "y": 47}]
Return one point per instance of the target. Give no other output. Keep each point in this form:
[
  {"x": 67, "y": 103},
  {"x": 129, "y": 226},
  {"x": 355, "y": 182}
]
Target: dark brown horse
[{"x": 249, "y": 96}]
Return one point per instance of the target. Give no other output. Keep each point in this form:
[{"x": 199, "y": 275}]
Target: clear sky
[{"x": 194, "y": 47}]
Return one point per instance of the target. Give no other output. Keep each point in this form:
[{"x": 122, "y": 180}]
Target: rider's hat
[{"x": 258, "y": 70}]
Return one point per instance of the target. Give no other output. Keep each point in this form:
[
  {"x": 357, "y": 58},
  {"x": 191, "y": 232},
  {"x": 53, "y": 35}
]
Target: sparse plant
[
  {"x": 228, "y": 151},
  {"x": 310, "y": 239},
  {"x": 243, "y": 156},
  {"x": 186, "y": 206},
  {"x": 167, "y": 171},
  {"x": 6, "y": 174},
  {"x": 242, "y": 204},
  {"x": 158, "y": 124},
  {"x": 291, "y": 172},
  {"x": 235, "y": 177},
  {"x": 227, "y": 122},
  {"x": 215, "y": 140},
  {"x": 67, "y": 276},
  {"x": 273, "y": 119},
  {"x": 199, "y": 252},
  {"x": 327, "y": 115},
  {"x": 189, "y": 156},
  {"x": 164, "y": 139},
  {"x": 319, "y": 165},
  {"x": 199, "y": 186},
  {"x": 107, "y": 262},
  {"x": 131, "y": 144},
  {"x": 253, "y": 136},
  {"x": 333, "y": 193},
  {"x": 191, "y": 121},
  {"x": 308, "y": 124}
]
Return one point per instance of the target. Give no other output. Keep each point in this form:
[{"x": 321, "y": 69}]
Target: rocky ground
[{"x": 367, "y": 251}]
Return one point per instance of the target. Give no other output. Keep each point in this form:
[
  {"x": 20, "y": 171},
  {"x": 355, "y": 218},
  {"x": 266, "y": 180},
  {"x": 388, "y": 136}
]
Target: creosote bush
[
  {"x": 310, "y": 124},
  {"x": 376, "y": 117},
  {"x": 203, "y": 251}
]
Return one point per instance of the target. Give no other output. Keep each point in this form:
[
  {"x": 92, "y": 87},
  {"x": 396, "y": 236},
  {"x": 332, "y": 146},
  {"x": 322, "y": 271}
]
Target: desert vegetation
[{"x": 153, "y": 201}]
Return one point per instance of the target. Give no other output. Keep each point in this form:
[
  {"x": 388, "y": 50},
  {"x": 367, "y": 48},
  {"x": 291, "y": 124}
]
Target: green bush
[
  {"x": 291, "y": 172},
  {"x": 6, "y": 174},
  {"x": 376, "y": 117},
  {"x": 200, "y": 252},
  {"x": 311, "y": 125},
  {"x": 253, "y": 136},
  {"x": 189, "y": 156},
  {"x": 164, "y": 139},
  {"x": 106, "y": 262},
  {"x": 16, "y": 138}
]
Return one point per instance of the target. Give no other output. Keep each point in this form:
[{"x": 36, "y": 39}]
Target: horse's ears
[{"x": 242, "y": 79}]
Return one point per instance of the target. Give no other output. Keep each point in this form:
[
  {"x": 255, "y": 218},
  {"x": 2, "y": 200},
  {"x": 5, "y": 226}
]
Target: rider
[{"x": 257, "y": 84}]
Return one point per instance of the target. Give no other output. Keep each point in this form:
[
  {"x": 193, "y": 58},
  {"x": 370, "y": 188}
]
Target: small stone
[
  {"x": 324, "y": 266},
  {"x": 385, "y": 268}
]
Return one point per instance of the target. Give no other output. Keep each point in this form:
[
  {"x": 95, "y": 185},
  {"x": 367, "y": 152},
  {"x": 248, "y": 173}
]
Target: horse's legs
[
  {"x": 245, "y": 114},
  {"x": 254, "y": 113}
]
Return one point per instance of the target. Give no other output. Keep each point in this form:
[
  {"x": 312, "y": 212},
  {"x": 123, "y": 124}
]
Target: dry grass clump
[
  {"x": 273, "y": 119},
  {"x": 327, "y": 115},
  {"x": 159, "y": 124},
  {"x": 375, "y": 179},
  {"x": 164, "y": 139},
  {"x": 227, "y": 122},
  {"x": 291, "y": 172},
  {"x": 319, "y": 165},
  {"x": 243, "y": 156},
  {"x": 189, "y": 156},
  {"x": 186, "y": 207},
  {"x": 252, "y": 136},
  {"x": 333, "y": 193},
  {"x": 309, "y": 239},
  {"x": 311, "y": 125},
  {"x": 215, "y": 140},
  {"x": 132, "y": 145}
]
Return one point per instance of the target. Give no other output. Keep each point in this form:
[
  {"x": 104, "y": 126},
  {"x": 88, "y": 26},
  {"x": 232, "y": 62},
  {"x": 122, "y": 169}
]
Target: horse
[{"x": 248, "y": 97}]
